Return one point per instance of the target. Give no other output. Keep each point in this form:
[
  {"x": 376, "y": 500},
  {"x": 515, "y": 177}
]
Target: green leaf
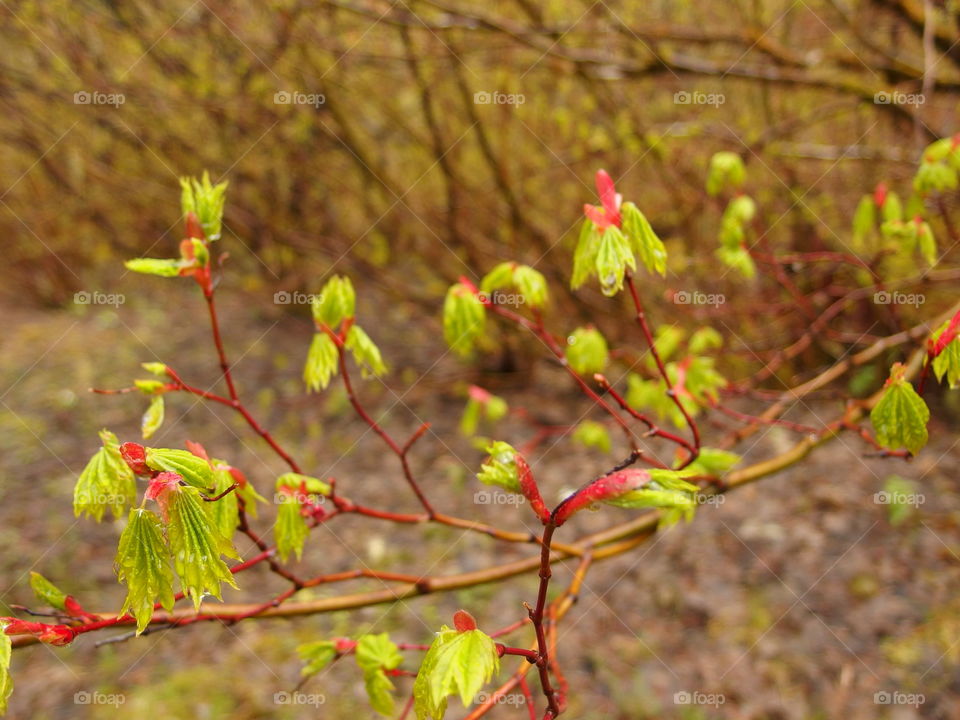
[
  {"x": 291, "y": 530},
  {"x": 47, "y": 592},
  {"x": 143, "y": 563},
  {"x": 152, "y": 418},
  {"x": 463, "y": 318},
  {"x": 106, "y": 482},
  {"x": 864, "y": 222},
  {"x": 225, "y": 510},
  {"x": 322, "y": 362},
  {"x": 457, "y": 663},
  {"x": 585, "y": 254},
  {"x": 948, "y": 361},
  {"x": 592, "y": 435},
  {"x": 206, "y": 201},
  {"x": 892, "y": 208},
  {"x": 150, "y": 387},
  {"x": 614, "y": 258},
  {"x": 667, "y": 341},
  {"x": 195, "y": 470},
  {"x": 335, "y": 303},
  {"x": 316, "y": 655},
  {"x": 196, "y": 545},
  {"x": 643, "y": 240},
  {"x": 706, "y": 338},
  {"x": 739, "y": 259},
  {"x": 927, "y": 243},
  {"x": 501, "y": 467},
  {"x": 168, "y": 267},
  {"x": 900, "y": 417},
  {"x": 376, "y": 653},
  {"x": 531, "y": 284},
  {"x": 715, "y": 462},
  {"x": 726, "y": 172},
  {"x": 365, "y": 353},
  {"x": 500, "y": 277},
  {"x": 155, "y": 368},
  {"x": 6, "y": 682},
  {"x": 311, "y": 485},
  {"x": 587, "y": 351}
]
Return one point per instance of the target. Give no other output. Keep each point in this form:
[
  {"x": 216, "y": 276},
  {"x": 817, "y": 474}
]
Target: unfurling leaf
[
  {"x": 196, "y": 545},
  {"x": 592, "y": 434},
  {"x": 375, "y": 654},
  {"x": 643, "y": 240},
  {"x": 226, "y": 509},
  {"x": 463, "y": 318},
  {"x": 585, "y": 254},
  {"x": 900, "y": 417},
  {"x": 712, "y": 461},
  {"x": 529, "y": 283},
  {"x": 106, "y": 482},
  {"x": 143, "y": 563},
  {"x": 457, "y": 663},
  {"x": 501, "y": 467},
  {"x": 166, "y": 267},
  {"x": 614, "y": 258},
  {"x": 6, "y": 682},
  {"x": 365, "y": 353},
  {"x": 864, "y": 223},
  {"x": 726, "y": 172},
  {"x": 155, "y": 368},
  {"x": 152, "y": 418},
  {"x": 322, "y": 360},
  {"x": 335, "y": 303},
  {"x": 946, "y": 347},
  {"x": 739, "y": 259},
  {"x": 587, "y": 351},
  {"x": 291, "y": 530},
  {"x": 706, "y": 338},
  {"x": 480, "y": 401},
  {"x": 316, "y": 655},
  {"x": 927, "y": 243},
  {"x": 47, "y": 592},
  {"x": 206, "y": 201},
  {"x": 193, "y": 469}
]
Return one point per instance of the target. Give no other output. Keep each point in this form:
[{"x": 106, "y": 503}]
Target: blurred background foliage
[{"x": 403, "y": 168}]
